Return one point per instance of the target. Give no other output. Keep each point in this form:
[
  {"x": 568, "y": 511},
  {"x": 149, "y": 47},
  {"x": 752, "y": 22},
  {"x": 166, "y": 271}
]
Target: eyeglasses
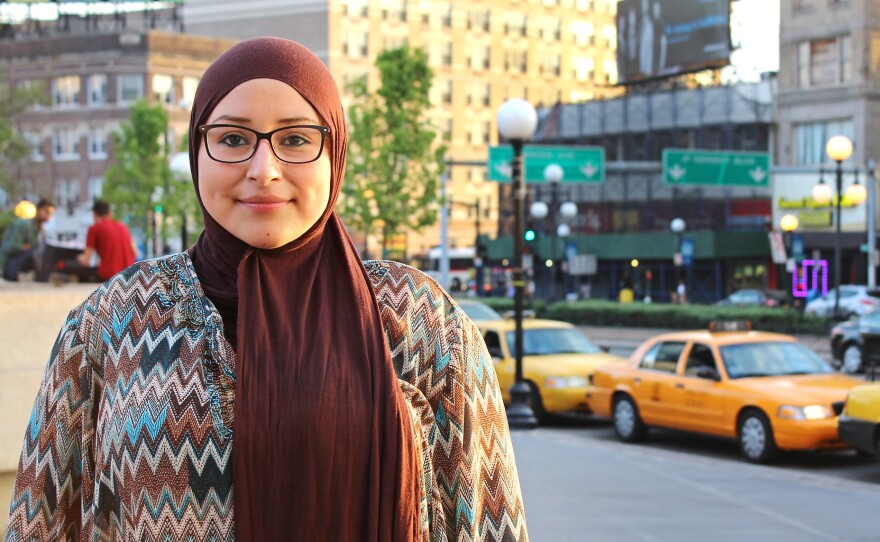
[{"x": 231, "y": 144}]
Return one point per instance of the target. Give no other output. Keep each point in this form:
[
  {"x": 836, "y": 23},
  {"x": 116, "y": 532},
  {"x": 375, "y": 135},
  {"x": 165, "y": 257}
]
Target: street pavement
[{"x": 580, "y": 483}]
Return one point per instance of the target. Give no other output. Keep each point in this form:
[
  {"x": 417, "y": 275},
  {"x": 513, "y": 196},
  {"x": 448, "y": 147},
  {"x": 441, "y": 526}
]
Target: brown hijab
[{"x": 322, "y": 443}]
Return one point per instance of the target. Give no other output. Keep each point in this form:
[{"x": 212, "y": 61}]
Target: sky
[{"x": 754, "y": 33}]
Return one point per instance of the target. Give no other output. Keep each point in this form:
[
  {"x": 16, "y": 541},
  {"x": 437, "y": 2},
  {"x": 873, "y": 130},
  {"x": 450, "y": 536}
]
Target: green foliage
[
  {"x": 394, "y": 164},
  {"x": 140, "y": 180},
  {"x": 596, "y": 312},
  {"x": 13, "y": 148}
]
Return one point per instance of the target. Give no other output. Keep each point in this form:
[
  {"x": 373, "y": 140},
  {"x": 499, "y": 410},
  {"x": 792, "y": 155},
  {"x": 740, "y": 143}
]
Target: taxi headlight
[
  {"x": 809, "y": 412},
  {"x": 558, "y": 382}
]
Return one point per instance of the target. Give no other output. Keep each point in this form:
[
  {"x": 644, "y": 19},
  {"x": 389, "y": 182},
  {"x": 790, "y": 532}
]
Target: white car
[{"x": 854, "y": 300}]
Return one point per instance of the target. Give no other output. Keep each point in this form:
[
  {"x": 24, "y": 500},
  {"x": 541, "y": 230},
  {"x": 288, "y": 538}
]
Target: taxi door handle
[{"x": 679, "y": 385}]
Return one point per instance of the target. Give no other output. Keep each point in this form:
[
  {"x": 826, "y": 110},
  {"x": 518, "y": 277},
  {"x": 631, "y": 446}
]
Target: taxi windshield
[
  {"x": 543, "y": 342},
  {"x": 771, "y": 359}
]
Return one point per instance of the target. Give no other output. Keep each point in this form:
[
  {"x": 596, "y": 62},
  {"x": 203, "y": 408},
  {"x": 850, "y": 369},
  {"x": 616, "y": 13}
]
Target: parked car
[
  {"x": 477, "y": 310},
  {"x": 766, "y": 390},
  {"x": 859, "y": 425},
  {"x": 854, "y": 300},
  {"x": 753, "y": 298},
  {"x": 847, "y": 341},
  {"x": 557, "y": 362}
]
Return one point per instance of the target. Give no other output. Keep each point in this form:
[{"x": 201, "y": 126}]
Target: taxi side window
[
  {"x": 662, "y": 357},
  {"x": 699, "y": 356},
  {"x": 493, "y": 343}
]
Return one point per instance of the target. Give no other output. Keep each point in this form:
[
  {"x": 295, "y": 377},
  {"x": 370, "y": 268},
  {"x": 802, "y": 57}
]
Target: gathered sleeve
[
  {"x": 471, "y": 477},
  {"x": 52, "y": 487}
]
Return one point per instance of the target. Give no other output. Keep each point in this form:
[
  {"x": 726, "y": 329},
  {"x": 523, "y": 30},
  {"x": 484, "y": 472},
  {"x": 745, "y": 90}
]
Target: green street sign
[
  {"x": 719, "y": 168},
  {"x": 579, "y": 164}
]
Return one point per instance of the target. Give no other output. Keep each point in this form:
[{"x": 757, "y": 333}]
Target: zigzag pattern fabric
[{"x": 131, "y": 433}]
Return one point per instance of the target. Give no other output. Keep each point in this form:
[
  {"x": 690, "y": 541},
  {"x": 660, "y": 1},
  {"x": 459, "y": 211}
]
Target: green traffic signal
[
  {"x": 530, "y": 235},
  {"x": 158, "y": 208}
]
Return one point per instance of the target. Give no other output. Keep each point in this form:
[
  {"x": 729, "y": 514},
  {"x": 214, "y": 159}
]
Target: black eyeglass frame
[{"x": 324, "y": 130}]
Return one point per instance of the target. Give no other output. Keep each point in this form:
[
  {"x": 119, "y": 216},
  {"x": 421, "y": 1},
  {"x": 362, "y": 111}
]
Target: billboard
[{"x": 657, "y": 38}]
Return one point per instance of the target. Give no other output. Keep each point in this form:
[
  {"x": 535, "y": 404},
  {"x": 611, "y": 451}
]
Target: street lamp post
[
  {"x": 677, "y": 226},
  {"x": 517, "y": 121},
  {"x": 179, "y": 165},
  {"x": 788, "y": 224},
  {"x": 568, "y": 210},
  {"x": 553, "y": 174},
  {"x": 839, "y": 148},
  {"x": 539, "y": 211}
]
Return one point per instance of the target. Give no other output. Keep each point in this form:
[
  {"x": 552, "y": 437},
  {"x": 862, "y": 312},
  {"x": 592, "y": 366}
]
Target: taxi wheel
[
  {"x": 756, "y": 437},
  {"x": 536, "y": 404},
  {"x": 627, "y": 423},
  {"x": 851, "y": 359}
]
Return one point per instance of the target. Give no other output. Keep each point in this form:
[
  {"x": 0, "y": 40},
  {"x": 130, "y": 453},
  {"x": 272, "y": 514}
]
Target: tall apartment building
[
  {"x": 91, "y": 77},
  {"x": 482, "y": 52}
]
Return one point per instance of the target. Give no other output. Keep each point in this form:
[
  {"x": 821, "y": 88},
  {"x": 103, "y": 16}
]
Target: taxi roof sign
[{"x": 730, "y": 325}]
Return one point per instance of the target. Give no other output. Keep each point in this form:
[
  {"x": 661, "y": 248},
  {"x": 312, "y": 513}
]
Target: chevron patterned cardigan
[{"x": 131, "y": 434}]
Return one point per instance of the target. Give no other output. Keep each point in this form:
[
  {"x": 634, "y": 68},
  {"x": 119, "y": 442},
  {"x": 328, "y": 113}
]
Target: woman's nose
[{"x": 264, "y": 165}]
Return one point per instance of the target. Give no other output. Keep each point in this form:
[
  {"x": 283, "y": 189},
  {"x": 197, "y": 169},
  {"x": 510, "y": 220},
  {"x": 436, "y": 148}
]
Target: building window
[
  {"x": 516, "y": 61},
  {"x": 188, "y": 87},
  {"x": 810, "y": 139},
  {"x": 446, "y": 95},
  {"x": 824, "y": 62},
  {"x": 95, "y": 188},
  {"x": 583, "y": 32},
  {"x": 65, "y": 91},
  {"x": 163, "y": 89},
  {"x": 67, "y": 194},
  {"x": 357, "y": 44},
  {"x": 131, "y": 88},
  {"x": 97, "y": 143},
  {"x": 610, "y": 69},
  {"x": 97, "y": 89},
  {"x": 583, "y": 68},
  {"x": 65, "y": 144},
  {"x": 356, "y": 8},
  {"x": 447, "y": 131},
  {"x": 549, "y": 64},
  {"x": 447, "y": 55},
  {"x": 479, "y": 20},
  {"x": 35, "y": 143},
  {"x": 516, "y": 24},
  {"x": 446, "y": 14}
]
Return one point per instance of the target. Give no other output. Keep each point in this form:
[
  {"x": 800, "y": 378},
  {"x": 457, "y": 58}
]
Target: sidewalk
[{"x": 632, "y": 337}]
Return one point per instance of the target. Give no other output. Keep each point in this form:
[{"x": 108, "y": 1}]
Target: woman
[{"x": 266, "y": 385}]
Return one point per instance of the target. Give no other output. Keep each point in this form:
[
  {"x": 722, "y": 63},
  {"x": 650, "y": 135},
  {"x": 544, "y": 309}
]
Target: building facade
[
  {"x": 829, "y": 84},
  {"x": 91, "y": 77},
  {"x": 482, "y": 52}
]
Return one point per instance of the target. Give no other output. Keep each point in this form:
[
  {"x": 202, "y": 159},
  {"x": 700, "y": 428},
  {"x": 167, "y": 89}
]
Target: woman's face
[{"x": 263, "y": 201}]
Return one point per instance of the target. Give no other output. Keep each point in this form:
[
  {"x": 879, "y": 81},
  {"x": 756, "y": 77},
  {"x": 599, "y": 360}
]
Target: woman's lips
[{"x": 263, "y": 204}]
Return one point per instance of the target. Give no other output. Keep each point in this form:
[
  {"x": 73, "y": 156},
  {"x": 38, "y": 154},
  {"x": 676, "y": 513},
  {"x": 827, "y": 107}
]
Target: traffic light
[
  {"x": 158, "y": 209},
  {"x": 529, "y": 235}
]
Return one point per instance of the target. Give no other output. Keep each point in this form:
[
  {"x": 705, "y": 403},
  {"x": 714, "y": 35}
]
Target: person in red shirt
[{"x": 111, "y": 240}]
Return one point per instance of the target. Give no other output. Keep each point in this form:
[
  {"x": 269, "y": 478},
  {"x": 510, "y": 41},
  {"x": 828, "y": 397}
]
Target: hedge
[{"x": 667, "y": 316}]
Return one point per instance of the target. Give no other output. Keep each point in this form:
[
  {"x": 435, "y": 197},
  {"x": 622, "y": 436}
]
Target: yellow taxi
[
  {"x": 766, "y": 390},
  {"x": 557, "y": 362},
  {"x": 859, "y": 425}
]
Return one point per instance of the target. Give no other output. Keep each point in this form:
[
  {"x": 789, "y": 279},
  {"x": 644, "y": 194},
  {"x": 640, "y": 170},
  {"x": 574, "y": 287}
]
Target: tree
[
  {"x": 13, "y": 147},
  {"x": 139, "y": 183},
  {"x": 394, "y": 164}
]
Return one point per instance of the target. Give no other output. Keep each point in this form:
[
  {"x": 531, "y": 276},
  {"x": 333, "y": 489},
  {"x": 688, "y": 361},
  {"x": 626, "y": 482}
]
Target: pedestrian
[
  {"x": 21, "y": 249},
  {"x": 681, "y": 293},
  {"x": 110, "y": 240},
  {"x": 267, "y": 384}
]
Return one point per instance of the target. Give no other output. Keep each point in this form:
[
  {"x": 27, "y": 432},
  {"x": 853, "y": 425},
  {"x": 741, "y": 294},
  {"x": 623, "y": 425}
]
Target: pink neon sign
[{"x": 813, "y": 274}]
